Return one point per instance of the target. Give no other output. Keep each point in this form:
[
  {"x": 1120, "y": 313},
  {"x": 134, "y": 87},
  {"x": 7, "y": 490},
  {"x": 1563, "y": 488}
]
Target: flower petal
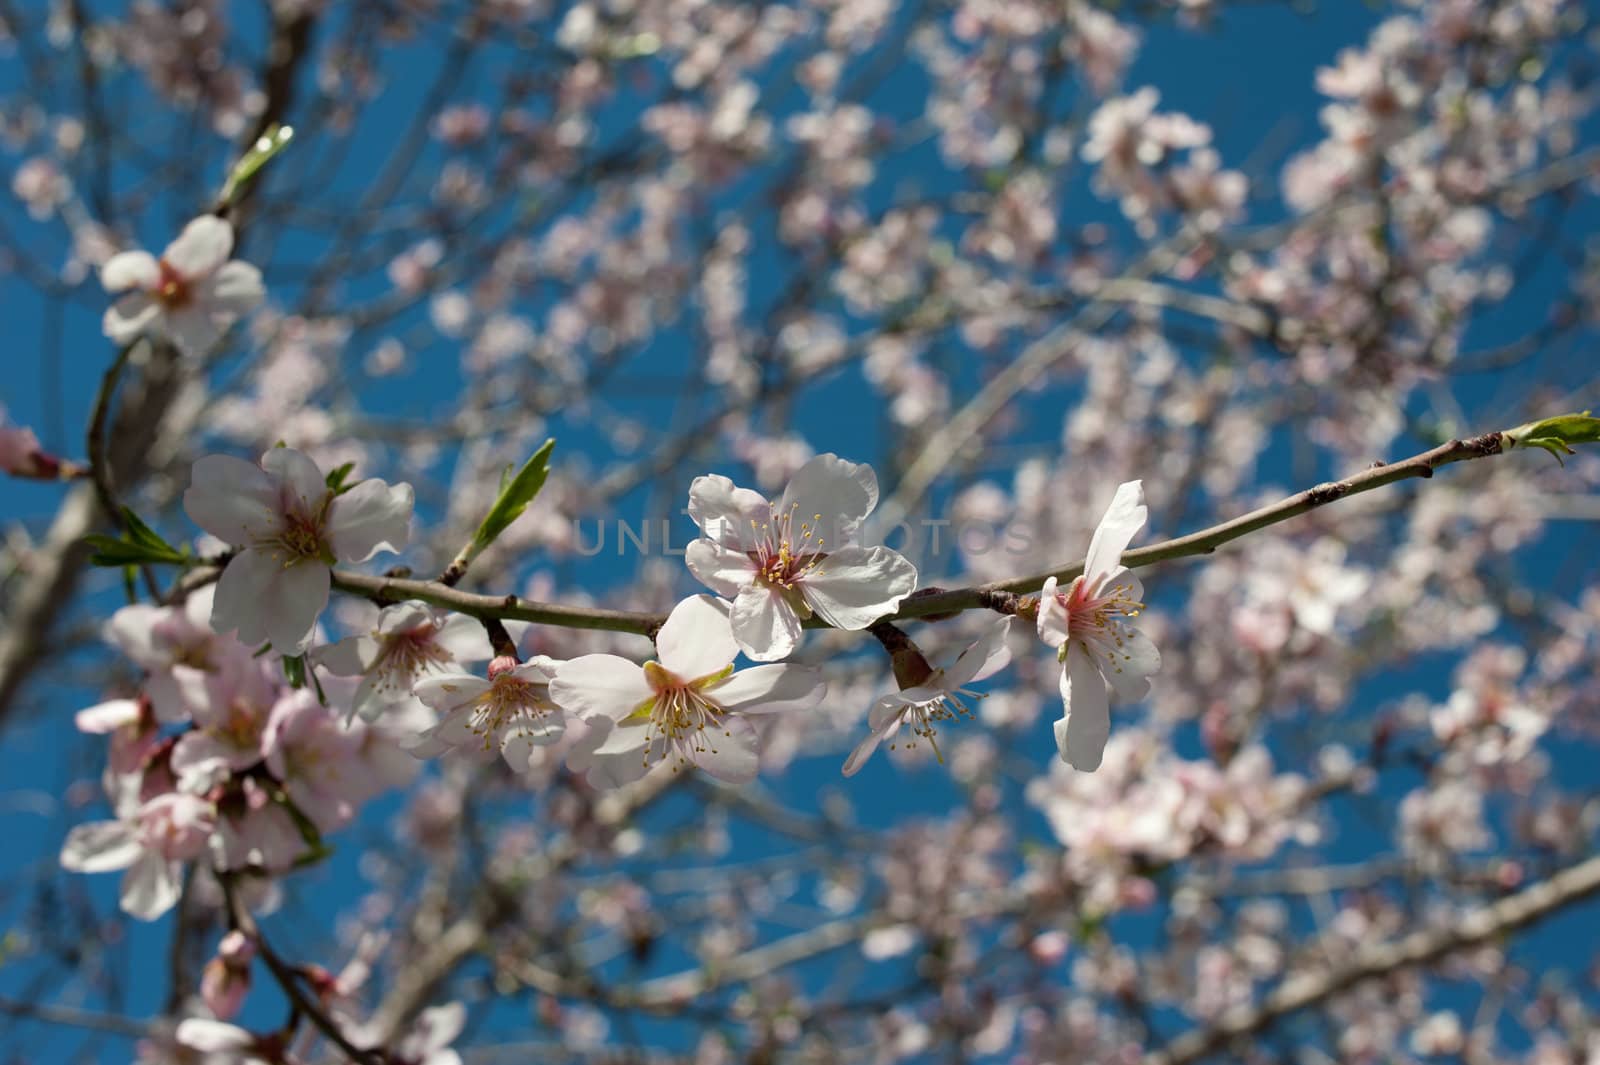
[
  {"x": 100, "y": 847},
  {"x": 233, "y": 500},
  {"x": 130, "y": 269},
  {"x": 1132, "y": 664},
  {"x": 298, "y": 478},
  {"x": 260, "y": 598},
  {"x": 722, "y": 569},
  {"x": 834, "y": 493},
  {"x": 600, "y": 685},
  {"x": 764, "y": 624},
  {"x": 1123, "y": 519},
  {"x": 863, "y": 751},
  {"x": 696, "y": 641},
  {"x": 1052, "y": 620},
  {"x": 1085, "y": 723},
  {"x": 447, "y": 691},
  {"x": 107, "y": 717},
  {"x": 729, "y": 755},
  {"x": 371, "y": 517},
  {"x": 770, "y": 689},
  {"x": 852, "y": 588},
  {"x": 727, "y": 514},
  {"x": 128, "y": 318},
  {"x": 204, "y": 245},
  {"x": 983, "y": 658},
  {"x": 194, "y": 331},
  {"x": 151, "y": 887},
  {"x": 233, "y": 291}
]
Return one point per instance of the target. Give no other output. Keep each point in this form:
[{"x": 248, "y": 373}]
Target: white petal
[
  {"x": 1123, "y": 519},
  {"x": 447, "y": 691},
  {"x": 1052, "y": 619},
  {"x": 727, "y": 514},
  {"x": 1085, "y": 723},
  {"x": 722, "y": 569},
  {"x": 539, "y": 730},
  {"x": 204, "y": 245},
  {"x": 193, "y": 330},
  {"x": 764, "y": 624},
  {"x": 696, "y": 641},
  {"x": 107, "y": 717},
  {"x": 843, "y": 493},
  {"x": 600, "y": 685},
  {"x": 347, "y": 658},
  {"x": 729, "y": 755},
  {"x": 151, "y": 887},
  {"x": 233, "y": 291},
  {"x": 985, "y": 657},
  {"x": 1131, "y": 666},
  {"x": 233, "y": 500},
  {"x": 130, "y": 269},
  {"x": 100, "y": 847},
  {"x": 465, "y": 639},
  {"x": 262, "y": 599},
  {"x": 131, "y": 630},
  {"x": 852, "y": 588},
  {"x": 371, "y": 517},
  {"x": 769, "y": 689},
  {"x": 198, "y": 1033},
  {"x": 298, "y": 477},
  {"x": 130, "y": 317},
  {"x": 863, "y": 751}
]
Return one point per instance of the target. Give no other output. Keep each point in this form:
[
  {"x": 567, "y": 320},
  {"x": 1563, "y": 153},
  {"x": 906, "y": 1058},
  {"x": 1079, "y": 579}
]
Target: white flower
[
  {"x": 230, "y": 1043},
  {"x": 191, "y": 295},
  {"x": 511, "y": 712},
  {"x": 936, "y": 698},
  {"x": 780, "y": 564},
  {"x": 292, "y": 528},
  {"x": 1091, "y": 627},
  {"x": 151, "y": 843},
  {"x": 408, "y": 641},
  {"x": 688, "y": 707}
]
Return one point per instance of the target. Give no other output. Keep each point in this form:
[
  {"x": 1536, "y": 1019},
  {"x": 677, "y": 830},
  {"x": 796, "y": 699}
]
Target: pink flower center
[
  {"x": 1099, "y": 615},
  {"x": 787, "y": 550},
  {"x": 172, "y": 289},
  {"x": 509, "y": 697},
  {"x": 301, "y": 537},
  {"x": 406, "y": 655}
]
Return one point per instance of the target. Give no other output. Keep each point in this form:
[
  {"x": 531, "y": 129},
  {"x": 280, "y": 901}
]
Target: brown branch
[
  {"x": 1303, "y": 991},
  {"x": 985, "y": 596}
]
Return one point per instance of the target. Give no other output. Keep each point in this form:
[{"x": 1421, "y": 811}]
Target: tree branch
[{"x": 1572, "y": 885}]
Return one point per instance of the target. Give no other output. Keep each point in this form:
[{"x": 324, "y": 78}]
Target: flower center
[
  {"x": 681, "y": 718},
  {"x": 407, "y": 655},
  {"x": 788, "y": 549},
  {"x": 301, "y": 538},
  {"x": 172, "y": 289},
  {"x": 509, "y": 697},
  {"x": 1099, "y": 620},
  {"x": 924, "y": 718}
]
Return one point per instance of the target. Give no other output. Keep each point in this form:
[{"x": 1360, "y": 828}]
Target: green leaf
[
  {"x": 515, "y": 495},
  {"x": 294, "y": 670},
  {"x": 270, "y": 143},
  {"x": 336, "y": 479},
  {"x": 1555, "y": 435},
  {"x": 137, "y": 545}
]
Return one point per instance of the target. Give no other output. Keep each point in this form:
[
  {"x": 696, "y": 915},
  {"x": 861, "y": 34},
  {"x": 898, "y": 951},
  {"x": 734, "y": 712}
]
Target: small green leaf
[
  {"x": 1555, "y": 435},
  {"x": 337, "y": 479},
  {"x": 515, "y": 495},
  {"x": 294, "y": 670},
  {"x": 270, "y": 143},
  {"x": 110, "y": 551}
]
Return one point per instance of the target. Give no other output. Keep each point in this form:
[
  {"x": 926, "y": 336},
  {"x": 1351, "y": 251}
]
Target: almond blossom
[
  {"x": 1091, "y": 627},
  {"x": 290, "y": 528},
  {"x": 151, "y": 842},
  {"x": 511, "y": 712},
  {"x": 937, "y": 697},
  {"x": 689, "y": 707},
  {"x": 191, "y": 295},
  {"x": 406, "y": 642},
  {"x": 783, "y": 563},
  {"x": 175, "y": 645}
]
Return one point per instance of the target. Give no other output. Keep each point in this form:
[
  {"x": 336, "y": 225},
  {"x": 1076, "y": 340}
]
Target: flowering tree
[{"x": 694, "y": 530}]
